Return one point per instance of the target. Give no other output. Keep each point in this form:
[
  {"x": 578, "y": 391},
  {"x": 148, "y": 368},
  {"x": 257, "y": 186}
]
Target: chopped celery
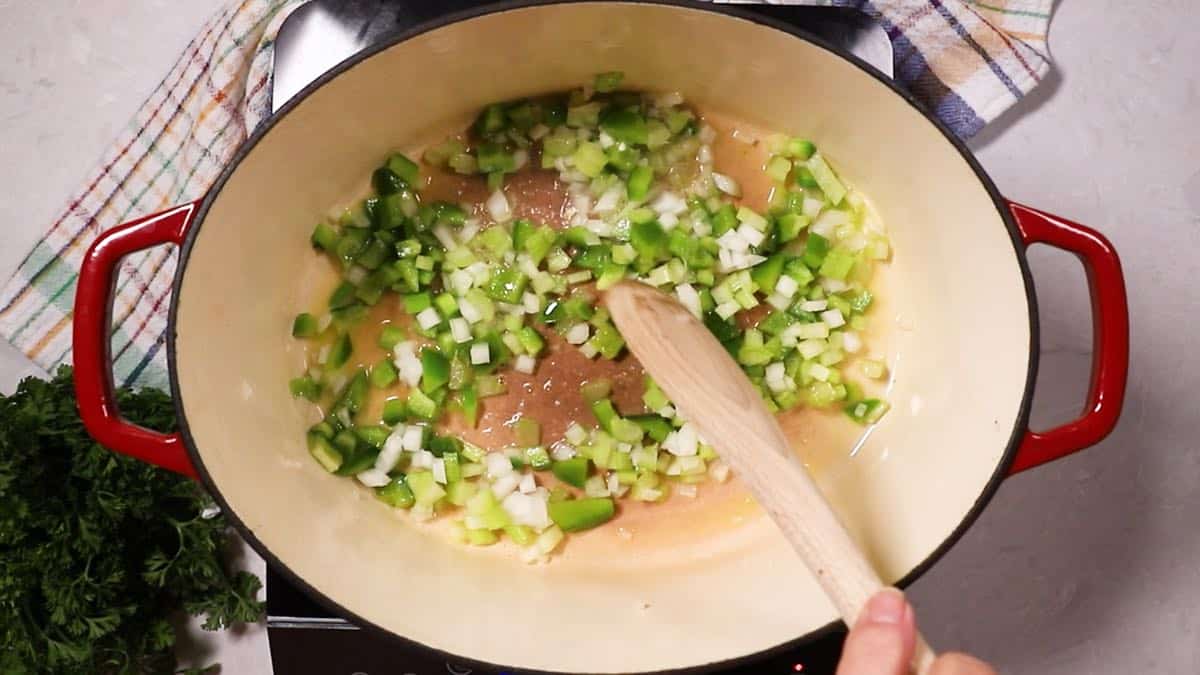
[
  {"x": 604, "y": 412},
  {"x": 834, "y": 191},
  {"x": 421, "y": 406},
  {"x": 594, "y": 390},
  {"x": 837, "y": 263},
  {"x": 325, "y": 454},
  {"x": 527, "y": 432},
  {"x": 590, "y": 159}
]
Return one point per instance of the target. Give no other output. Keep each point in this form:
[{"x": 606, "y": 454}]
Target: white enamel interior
[{"x": 961, "y": 338}]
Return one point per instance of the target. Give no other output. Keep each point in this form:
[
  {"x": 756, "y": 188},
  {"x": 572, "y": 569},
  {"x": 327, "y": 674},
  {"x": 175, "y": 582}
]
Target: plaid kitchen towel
[{"x": 967, "y": 60}]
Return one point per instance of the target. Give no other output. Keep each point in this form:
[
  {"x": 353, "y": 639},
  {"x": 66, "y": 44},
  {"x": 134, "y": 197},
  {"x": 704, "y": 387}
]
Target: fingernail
[{"x": 887, "y": 606}]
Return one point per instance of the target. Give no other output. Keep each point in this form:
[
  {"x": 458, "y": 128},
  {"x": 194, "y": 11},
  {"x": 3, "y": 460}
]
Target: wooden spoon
[{"x": 711, "y": 390}]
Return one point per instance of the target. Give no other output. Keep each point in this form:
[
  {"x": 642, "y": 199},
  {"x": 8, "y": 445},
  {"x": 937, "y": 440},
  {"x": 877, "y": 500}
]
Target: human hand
[{"x": 882, "y": 642}]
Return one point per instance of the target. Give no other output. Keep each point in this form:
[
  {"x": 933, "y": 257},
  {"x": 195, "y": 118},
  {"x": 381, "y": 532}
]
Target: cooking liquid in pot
[{"x": 551, "y": 395}]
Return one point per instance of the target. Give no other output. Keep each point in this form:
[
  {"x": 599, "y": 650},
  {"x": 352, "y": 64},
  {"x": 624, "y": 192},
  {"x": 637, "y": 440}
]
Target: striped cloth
[{"x": 967, "y": 60}]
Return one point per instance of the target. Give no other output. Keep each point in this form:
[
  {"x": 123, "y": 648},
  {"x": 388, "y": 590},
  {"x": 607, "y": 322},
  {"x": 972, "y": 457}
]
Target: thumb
[{"x": 882, "y": 640}]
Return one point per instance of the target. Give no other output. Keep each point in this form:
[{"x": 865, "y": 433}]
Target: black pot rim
[{"x": 985, "y": 496}]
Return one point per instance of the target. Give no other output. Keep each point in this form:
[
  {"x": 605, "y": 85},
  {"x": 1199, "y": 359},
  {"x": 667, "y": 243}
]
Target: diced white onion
[
  {"x": 719, "y": 471},
  {"x": 469, "y": 229},
  {"x": 686, "y": 490},
  {"x": 786, "y": 286},
  {"x": 423, "y": 459},
  {"x": 469, "y": 311},
  {"x": 727, "y": 309},
  {"x": 727, "y": 184},
  {"x": 811, "y": 207},
  {"x": 525, "y": 364},
  {"x": 669, "y": 202},
  {"x": 461, "y": 281},
  {"x": 666, "y": 411},
  {"x": 407, "y": 363},
  {"x": 610, "y": 200},
  {"x": 689, "y": 298},
  {"x": 497, "y": 464},
  {"x": 613, "y": 483},
  {"x": 814, "y": 305},
  {"x": 833, "y": 318},
  {"x": 751, "y": 235},
  {"x": 682, "y": 442},
  {"x": 819, "y": 372},
  {"x": 498, "y": 207},
  {"x": 779, "y": 302},
  {"x": 705, "y": 154},
  {"x": 481, "y": 354},
  {"x": 413, "y": 437},
  {"x": 531, "y": 303},
  {"x": 833, "y": 285},
  {"x": 525, "y": 263},
  {"x": 588, "y": 350},
  {"x": 851, "y": 342},
  {"x": 828, "y": 222},
  {"x": 578, "y": 334},
  {"x": 445, "y": 236},
  {"x": 480, "y": 272},
  {"x": 606, "y": 141},
  {"x": 428, "y": 318},
  {"x": 575, "y": 434},
  {"x": 561, "y": 451},
  {"x": 707, "y": 134},
  {"x": 733, "y": 241},
  {"x": 439, "y": 470},
  {"x": 460, "y": 330},
  {"x": 526, "y": 509},
  {"x": 527, "y": 484},
  {"x": 390, "y": 454},
  {"x": 583, "y": 206},
  {"x": 505, "y": 485},
  {"x": 775, "y": 371},
  {"x": 668, "y": 221},
  {"x": 373, "y": 478},
  {"x": 811, "y": 349},
  {"x": 520, "y": 158}
]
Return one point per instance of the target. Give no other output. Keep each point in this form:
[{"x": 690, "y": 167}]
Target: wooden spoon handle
[{"x": 712, "y": 392}]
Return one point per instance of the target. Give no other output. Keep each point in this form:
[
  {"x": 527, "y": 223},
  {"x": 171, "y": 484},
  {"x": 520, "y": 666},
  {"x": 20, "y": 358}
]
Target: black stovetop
[{"x": 306, "y": 639}]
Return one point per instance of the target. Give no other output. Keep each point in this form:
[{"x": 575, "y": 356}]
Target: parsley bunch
[{"x": 98, "y": 550}]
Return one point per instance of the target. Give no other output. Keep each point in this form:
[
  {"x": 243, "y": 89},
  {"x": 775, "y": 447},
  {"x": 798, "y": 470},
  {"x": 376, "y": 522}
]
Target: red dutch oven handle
[
  {"x": 92, "y": 344},
  {"x": 1110, "y": 342}
]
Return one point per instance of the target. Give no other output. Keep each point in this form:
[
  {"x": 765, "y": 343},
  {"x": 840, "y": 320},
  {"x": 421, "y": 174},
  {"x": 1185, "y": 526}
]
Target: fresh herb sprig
[{"x": 97, "y": 550}]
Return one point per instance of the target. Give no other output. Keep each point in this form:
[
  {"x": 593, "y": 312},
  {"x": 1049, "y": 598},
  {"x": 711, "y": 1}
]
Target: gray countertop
[{"x": 1089, "y": 565}]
